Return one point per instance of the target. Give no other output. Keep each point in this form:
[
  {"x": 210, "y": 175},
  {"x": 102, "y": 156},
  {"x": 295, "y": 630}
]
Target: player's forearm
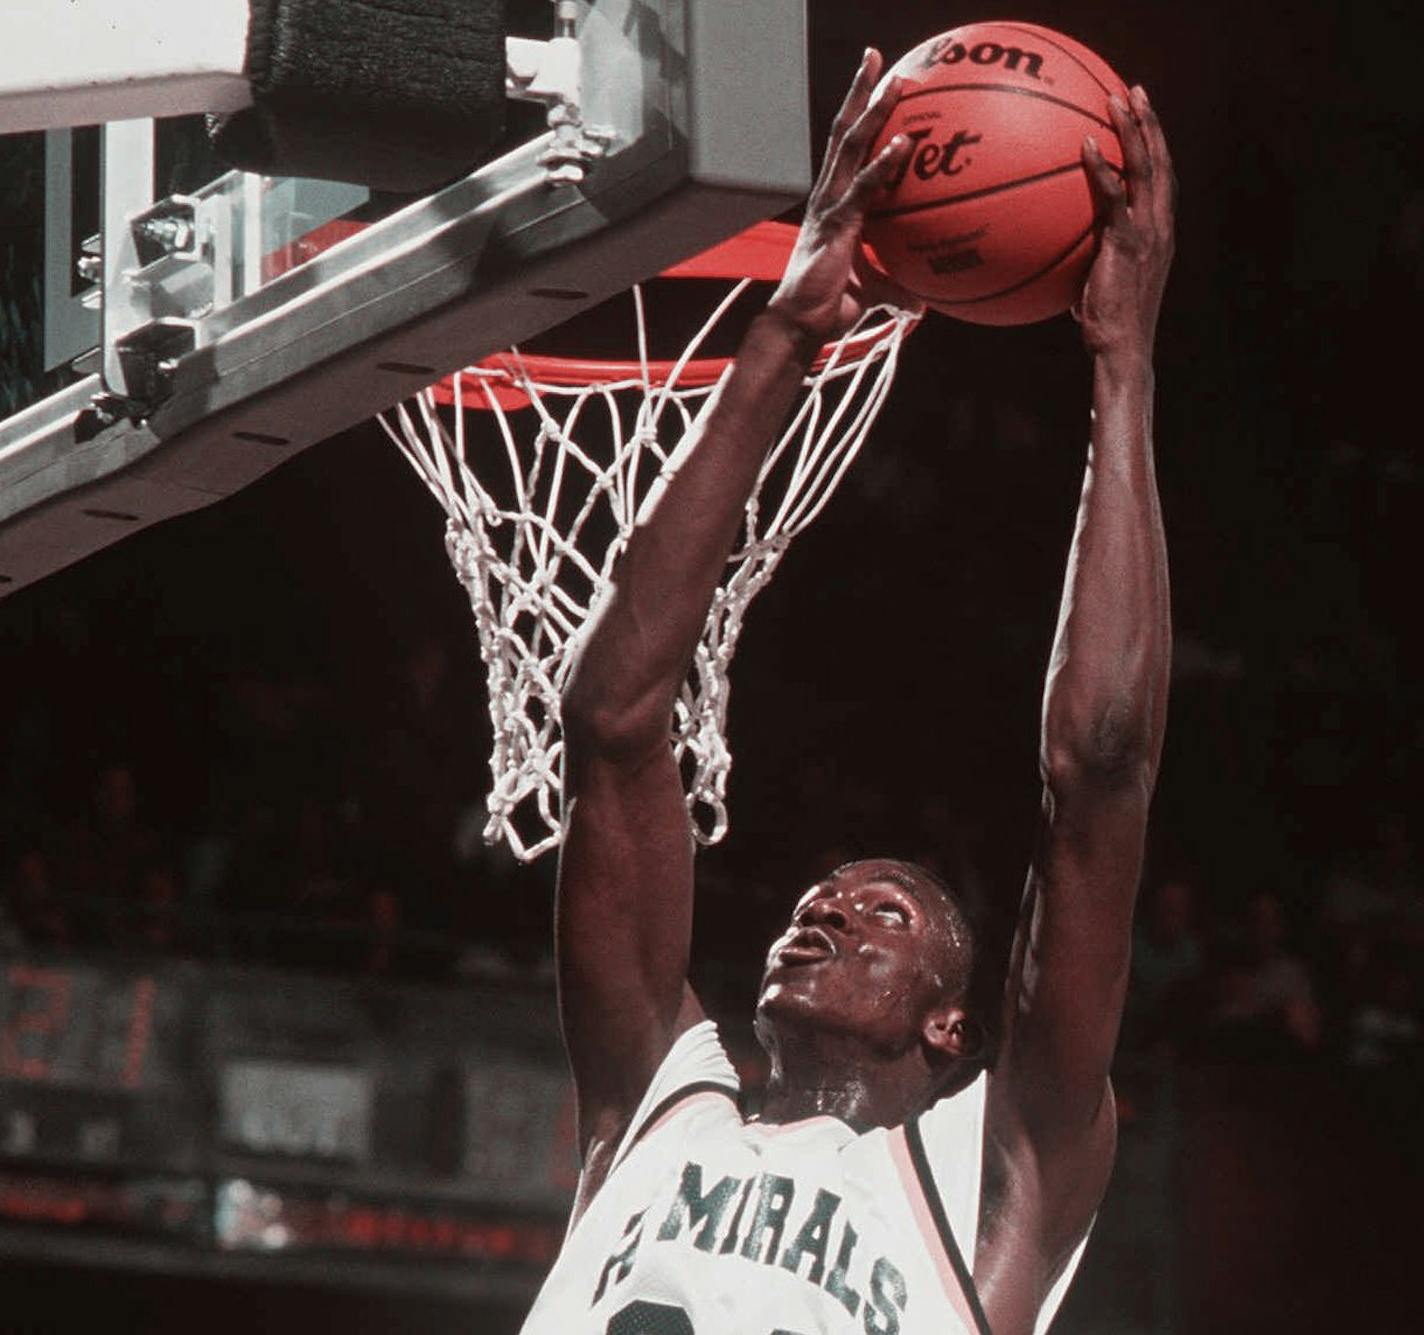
[
  {"x": 1105, "y": 703},
  {"x": 642, "y": 636}
]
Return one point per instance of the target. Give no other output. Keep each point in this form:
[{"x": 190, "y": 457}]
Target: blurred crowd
[
  {"x": 226, "y": 778},
  {"x": 1271, "y": 981},
  {"x": 313, "y": 845},
  {"x": 305, "y": 844}
]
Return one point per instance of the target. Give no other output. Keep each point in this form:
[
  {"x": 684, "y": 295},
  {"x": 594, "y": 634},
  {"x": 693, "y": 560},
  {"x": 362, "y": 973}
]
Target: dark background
[{"x": 254, "y": 670}]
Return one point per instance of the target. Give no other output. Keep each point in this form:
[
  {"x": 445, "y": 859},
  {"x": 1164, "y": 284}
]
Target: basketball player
[{"x": 889, "y": 1184}]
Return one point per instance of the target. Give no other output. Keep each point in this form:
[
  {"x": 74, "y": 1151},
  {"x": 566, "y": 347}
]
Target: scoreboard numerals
[
  {"x": 76, "y": 1027},
  {"x": 138, "y": 1032},
  {"x": 38, "y": 1016}
]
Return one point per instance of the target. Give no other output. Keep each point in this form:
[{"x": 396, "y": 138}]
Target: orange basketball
[{"x": 992, "y": 219}]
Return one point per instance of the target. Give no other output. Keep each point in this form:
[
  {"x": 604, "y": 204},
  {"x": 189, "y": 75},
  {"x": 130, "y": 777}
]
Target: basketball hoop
[{"x": 533, "y": 540}]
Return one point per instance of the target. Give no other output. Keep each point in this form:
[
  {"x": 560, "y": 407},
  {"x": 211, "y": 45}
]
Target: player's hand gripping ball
[{"x": 992, "y": 219}]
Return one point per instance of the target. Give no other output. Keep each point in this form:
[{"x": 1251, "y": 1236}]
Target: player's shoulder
[
  {"x": 695, "y": 1080},
  {"x": 695, "y": 1074}
]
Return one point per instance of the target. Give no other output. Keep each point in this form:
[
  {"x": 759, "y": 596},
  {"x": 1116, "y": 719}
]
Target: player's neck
[{"x": 859, "y": 1093}]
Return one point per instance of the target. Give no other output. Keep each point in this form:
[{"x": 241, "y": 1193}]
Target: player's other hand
[
  {"x": 1123, "y": 294},
  {"x": 829, "y": 283}
]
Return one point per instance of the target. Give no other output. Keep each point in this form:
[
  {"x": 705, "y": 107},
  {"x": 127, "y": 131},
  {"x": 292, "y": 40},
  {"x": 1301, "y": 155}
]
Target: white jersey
[{"x": 710, "y": 1224}]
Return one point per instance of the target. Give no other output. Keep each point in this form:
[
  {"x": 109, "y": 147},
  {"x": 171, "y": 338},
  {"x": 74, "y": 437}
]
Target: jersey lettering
[
  {"x": 836, "y": 1285},
  {"x": 729, "y": 1243},
  {"x": 621, "y": 1262},
  {"x": 697, "y": 1215},
  {"x": 814, "y": 1237},
  {"x": 644, "y": 1318},
  {"x": 887, "y": 1300},
  {"x": 777, "y": 1193},
  {"x": 704, "y": 1213}
]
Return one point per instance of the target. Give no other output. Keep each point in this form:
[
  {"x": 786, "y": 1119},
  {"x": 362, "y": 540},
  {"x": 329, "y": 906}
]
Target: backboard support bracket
[{"x": 692, "y": 124}]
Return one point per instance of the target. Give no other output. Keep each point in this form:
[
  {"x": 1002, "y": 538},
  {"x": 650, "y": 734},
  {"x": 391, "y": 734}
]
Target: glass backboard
[{"x": 176, "y": 330}]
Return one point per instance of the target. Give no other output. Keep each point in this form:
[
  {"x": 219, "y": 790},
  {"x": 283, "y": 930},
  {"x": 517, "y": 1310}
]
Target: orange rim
[
  {"x": 759, "y": 253},
  {"x": 503, "y": 371}
]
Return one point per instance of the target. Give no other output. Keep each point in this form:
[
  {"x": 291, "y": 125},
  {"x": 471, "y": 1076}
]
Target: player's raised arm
[
  {"x": 625, "y": 874},
  {"x": 1050, "y": 1120}
]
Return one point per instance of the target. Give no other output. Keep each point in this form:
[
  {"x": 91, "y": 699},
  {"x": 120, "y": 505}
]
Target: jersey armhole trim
[
  {"x": 660, "y": 1111},
  {"x": 914, "y": 1141}
]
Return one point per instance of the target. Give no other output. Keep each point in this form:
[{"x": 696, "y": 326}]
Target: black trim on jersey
[
  {"x": 921, "y": 1163},
  {"x": 672, "y": 1100}
]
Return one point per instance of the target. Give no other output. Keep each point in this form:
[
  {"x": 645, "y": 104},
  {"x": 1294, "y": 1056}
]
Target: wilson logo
[{"x": 988, "y": 53}]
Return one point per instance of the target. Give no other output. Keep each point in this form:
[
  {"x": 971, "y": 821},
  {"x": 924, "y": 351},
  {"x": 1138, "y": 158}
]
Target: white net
[{"x": 537, "y": 523}]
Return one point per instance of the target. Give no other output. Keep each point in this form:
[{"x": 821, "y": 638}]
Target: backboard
[{"x": 197, "y": 326}]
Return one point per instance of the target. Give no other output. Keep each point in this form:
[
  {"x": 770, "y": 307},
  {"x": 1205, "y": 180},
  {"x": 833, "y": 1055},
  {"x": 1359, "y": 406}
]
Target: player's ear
[{"x": 949, "y": 1031}]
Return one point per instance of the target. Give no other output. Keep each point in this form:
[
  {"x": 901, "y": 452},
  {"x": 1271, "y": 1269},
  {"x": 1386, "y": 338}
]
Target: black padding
[{"x": 400, "y": 95}]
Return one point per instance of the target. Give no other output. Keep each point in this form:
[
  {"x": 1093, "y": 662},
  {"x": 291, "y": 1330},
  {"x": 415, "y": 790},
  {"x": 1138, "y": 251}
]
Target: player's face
[{"x": 869, "y": 952}]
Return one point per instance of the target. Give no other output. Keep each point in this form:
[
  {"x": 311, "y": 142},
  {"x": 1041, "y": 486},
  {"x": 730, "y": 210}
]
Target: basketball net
[{"x": 538, "y": 516}]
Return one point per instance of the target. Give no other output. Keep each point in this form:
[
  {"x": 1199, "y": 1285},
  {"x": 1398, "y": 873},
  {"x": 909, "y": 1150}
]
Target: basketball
[{"x": 992, "y": 219}]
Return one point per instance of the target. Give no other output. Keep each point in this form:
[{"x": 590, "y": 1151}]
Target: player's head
[{"x": 882, "y": 954}]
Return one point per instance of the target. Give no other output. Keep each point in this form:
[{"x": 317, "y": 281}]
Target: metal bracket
[
  {"x": 149, "y": 357},
  {"x": 90, "y": 268},
  {"x": 551, "y": 72},
  {"x": 545, "y": 72},
  {"x": 575, "y": 148},
  {"x": 171, "y": 270}
]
